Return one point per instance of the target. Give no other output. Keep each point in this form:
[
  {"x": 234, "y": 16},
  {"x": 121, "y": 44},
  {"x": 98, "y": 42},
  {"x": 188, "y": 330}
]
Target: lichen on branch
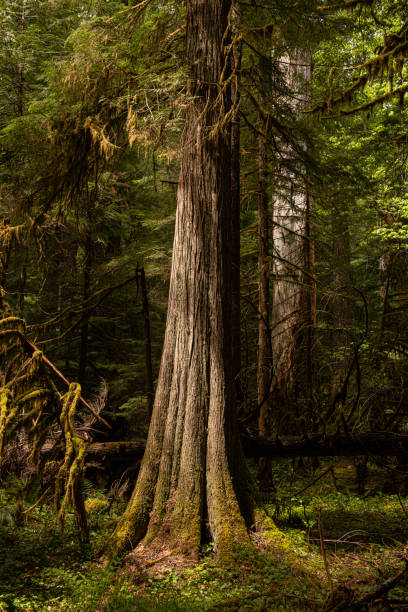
[{"x": 30, "y": 402}]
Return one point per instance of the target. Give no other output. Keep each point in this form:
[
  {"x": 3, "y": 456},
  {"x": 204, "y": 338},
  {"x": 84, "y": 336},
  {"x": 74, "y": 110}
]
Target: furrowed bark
[
  {"x": 290, "y": 210},
  {"x": 191, "y": 459},
  {"x": 236, "y": 204}
]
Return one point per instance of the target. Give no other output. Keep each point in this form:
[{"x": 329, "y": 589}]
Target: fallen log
[
  {"x": 339, "y": 445},
  {"x": 379, "y": 594},
  {"x": 115, "y": 450}
]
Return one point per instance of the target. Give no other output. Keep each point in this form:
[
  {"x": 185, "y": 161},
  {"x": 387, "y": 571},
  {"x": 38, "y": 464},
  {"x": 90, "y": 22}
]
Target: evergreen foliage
[{"x": 92, "y": 99}]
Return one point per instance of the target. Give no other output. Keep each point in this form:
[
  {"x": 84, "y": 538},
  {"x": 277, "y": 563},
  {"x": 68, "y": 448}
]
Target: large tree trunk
[
  {"x": 193, "y": 464},
  {"x": 290, "y": 211},
  {"x": 236, "y": 205}
]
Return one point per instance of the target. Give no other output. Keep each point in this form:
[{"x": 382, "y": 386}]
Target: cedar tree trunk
[
  {"x": 290, "y": 210},
  {"x": 193, "y": 468},
  {"x": 235, "y": 240}
]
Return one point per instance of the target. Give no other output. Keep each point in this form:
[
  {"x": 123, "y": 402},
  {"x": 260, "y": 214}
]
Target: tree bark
[
  {"x": 290, "y": 210},
  {"x": 236, "y": 205},
  {"x": 193, "y": 464}
]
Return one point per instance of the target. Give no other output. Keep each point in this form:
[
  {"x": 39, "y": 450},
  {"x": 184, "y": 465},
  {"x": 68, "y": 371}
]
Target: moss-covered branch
[{"x": 29, "y": 400}]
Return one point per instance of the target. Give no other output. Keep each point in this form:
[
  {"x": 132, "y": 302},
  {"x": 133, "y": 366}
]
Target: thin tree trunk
[
  {"x": 22, "y": 283},
  {"x": 20, "y": 102},
  {"x": 4, "y": 266},
  {"x": 266, "y": 427},
  {"x": 147, "y": 343},
  {"x": 385, "y": 266},
  {"x": 193, "y": 464},
  {"x": 341, "y": 282},
  {"x": 341, "y": 306},
  {"x": 267, "y": 422},
  {"x": 304, "y": 362},
  {"x": 83, "y": 350}
]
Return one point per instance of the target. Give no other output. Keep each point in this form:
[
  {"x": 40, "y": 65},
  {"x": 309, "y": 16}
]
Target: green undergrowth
[{"x": 363, "y": 539}]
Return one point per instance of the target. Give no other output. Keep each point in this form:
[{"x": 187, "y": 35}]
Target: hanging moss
[
  {"x": 30, "y": 400},
  {"x": 389, "y": 58}
]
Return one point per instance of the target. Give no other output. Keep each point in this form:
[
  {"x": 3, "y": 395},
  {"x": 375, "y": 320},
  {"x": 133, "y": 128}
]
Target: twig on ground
[{"x": 323, "y": 551}]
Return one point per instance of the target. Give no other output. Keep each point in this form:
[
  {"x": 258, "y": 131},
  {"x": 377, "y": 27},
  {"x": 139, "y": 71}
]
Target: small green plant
[
  {"x": 6, "y": 509},
  {"x": 95, "y": 505}
]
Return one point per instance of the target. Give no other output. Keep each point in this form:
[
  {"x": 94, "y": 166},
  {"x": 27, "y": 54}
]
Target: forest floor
[{"x": 363, "y": 543}]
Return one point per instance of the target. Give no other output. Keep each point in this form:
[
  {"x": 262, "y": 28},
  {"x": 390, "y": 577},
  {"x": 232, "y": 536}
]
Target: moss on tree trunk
[{"x": 193, "y": 469}]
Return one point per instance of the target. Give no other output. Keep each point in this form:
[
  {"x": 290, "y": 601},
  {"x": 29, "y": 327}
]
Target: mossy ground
[{"x": 42, "y": 569}]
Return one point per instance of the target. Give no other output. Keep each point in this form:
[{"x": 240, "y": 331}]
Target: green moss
[
  {"x": 29, "y": 397},
  {"x": 4, "y": 409},
  {"x": 94, "y": 505}
]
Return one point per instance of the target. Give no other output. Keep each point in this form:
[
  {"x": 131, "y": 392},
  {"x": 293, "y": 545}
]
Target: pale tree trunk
[
  {"x": 193, "y": 466},
  {"x": 290, "y": 212}
]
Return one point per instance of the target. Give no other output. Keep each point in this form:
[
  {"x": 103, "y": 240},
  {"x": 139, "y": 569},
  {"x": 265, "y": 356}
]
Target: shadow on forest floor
[{"x": 42, "y": 569}]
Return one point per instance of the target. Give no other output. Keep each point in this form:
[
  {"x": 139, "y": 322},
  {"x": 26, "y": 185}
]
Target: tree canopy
[{"x": 203, "y": 252}]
